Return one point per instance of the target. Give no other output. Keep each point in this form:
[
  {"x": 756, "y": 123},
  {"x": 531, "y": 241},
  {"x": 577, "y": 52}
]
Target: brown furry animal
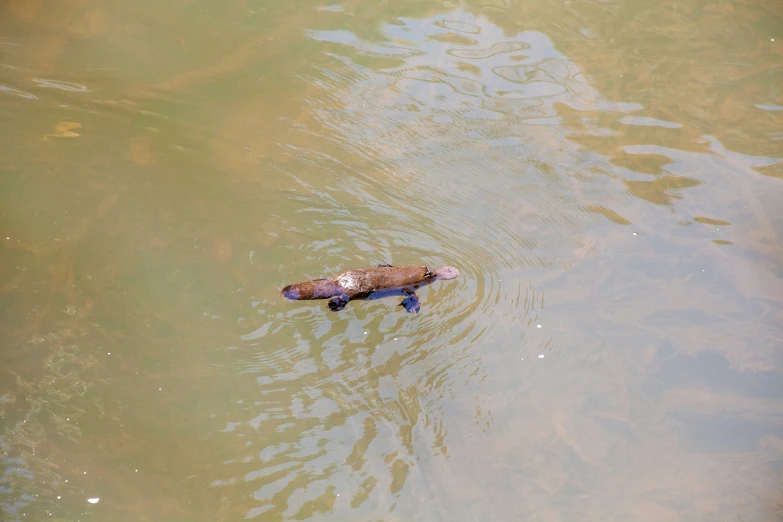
[{"x": 371, "y": 283}]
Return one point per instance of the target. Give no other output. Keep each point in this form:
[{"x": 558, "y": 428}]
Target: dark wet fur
[{"x": 317, "y": 289}]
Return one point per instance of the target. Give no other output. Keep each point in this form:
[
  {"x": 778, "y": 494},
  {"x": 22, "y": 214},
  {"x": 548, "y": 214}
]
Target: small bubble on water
[
  {"x": 538, "y": 326},
  {"x": 540, "y": 355}
]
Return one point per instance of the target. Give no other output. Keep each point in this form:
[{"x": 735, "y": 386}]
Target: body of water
[{"x": 606, "y": 175}]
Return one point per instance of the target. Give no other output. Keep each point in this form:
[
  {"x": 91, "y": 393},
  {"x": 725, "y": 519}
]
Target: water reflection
[
  {"x": 57, "y": 84},
  {"x": 353, "y": 404},
  {"x": 463, "y": 120}
]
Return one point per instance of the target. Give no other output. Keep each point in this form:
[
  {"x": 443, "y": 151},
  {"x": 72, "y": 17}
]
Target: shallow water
[{"x": 606, "y": 176}]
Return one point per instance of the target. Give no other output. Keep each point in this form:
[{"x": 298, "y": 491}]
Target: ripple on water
[
  {"x": 59, "y": 84},
  {"x": 428, "y": 166},
  {"x": 433, "y": 162}
]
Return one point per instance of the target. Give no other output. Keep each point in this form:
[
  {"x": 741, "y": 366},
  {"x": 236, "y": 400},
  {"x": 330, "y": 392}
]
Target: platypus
[{"x": 371, "y": 283}]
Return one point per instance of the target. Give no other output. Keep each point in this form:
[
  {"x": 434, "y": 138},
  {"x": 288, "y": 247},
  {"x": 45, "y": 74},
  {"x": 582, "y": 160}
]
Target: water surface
[{"x": 606, "y": 176}]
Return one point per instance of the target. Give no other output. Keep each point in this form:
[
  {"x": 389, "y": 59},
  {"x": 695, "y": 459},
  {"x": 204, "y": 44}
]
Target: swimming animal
[{"x": 371, "y": 283}]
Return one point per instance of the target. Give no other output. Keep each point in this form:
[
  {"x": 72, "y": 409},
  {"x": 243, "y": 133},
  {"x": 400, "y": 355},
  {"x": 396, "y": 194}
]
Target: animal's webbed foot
[
  {"x": 384, "y": 266},
  {"x": 411, "y": 303},
  {"x": 336, "y": 304}
]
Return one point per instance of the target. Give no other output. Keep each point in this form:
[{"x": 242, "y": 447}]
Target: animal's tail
[{"x": 318, "y": 289}]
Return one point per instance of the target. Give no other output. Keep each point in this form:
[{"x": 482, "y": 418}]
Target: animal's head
[{"x": 446, "y": 272}]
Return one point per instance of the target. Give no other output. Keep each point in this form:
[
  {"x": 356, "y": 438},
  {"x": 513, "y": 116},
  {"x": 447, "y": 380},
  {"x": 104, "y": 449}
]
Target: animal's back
[{"x": 365, "y": 281}]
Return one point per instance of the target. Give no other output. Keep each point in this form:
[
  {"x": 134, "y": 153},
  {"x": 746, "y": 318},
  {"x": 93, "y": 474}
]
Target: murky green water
[{"x": 607, "y": 176}]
